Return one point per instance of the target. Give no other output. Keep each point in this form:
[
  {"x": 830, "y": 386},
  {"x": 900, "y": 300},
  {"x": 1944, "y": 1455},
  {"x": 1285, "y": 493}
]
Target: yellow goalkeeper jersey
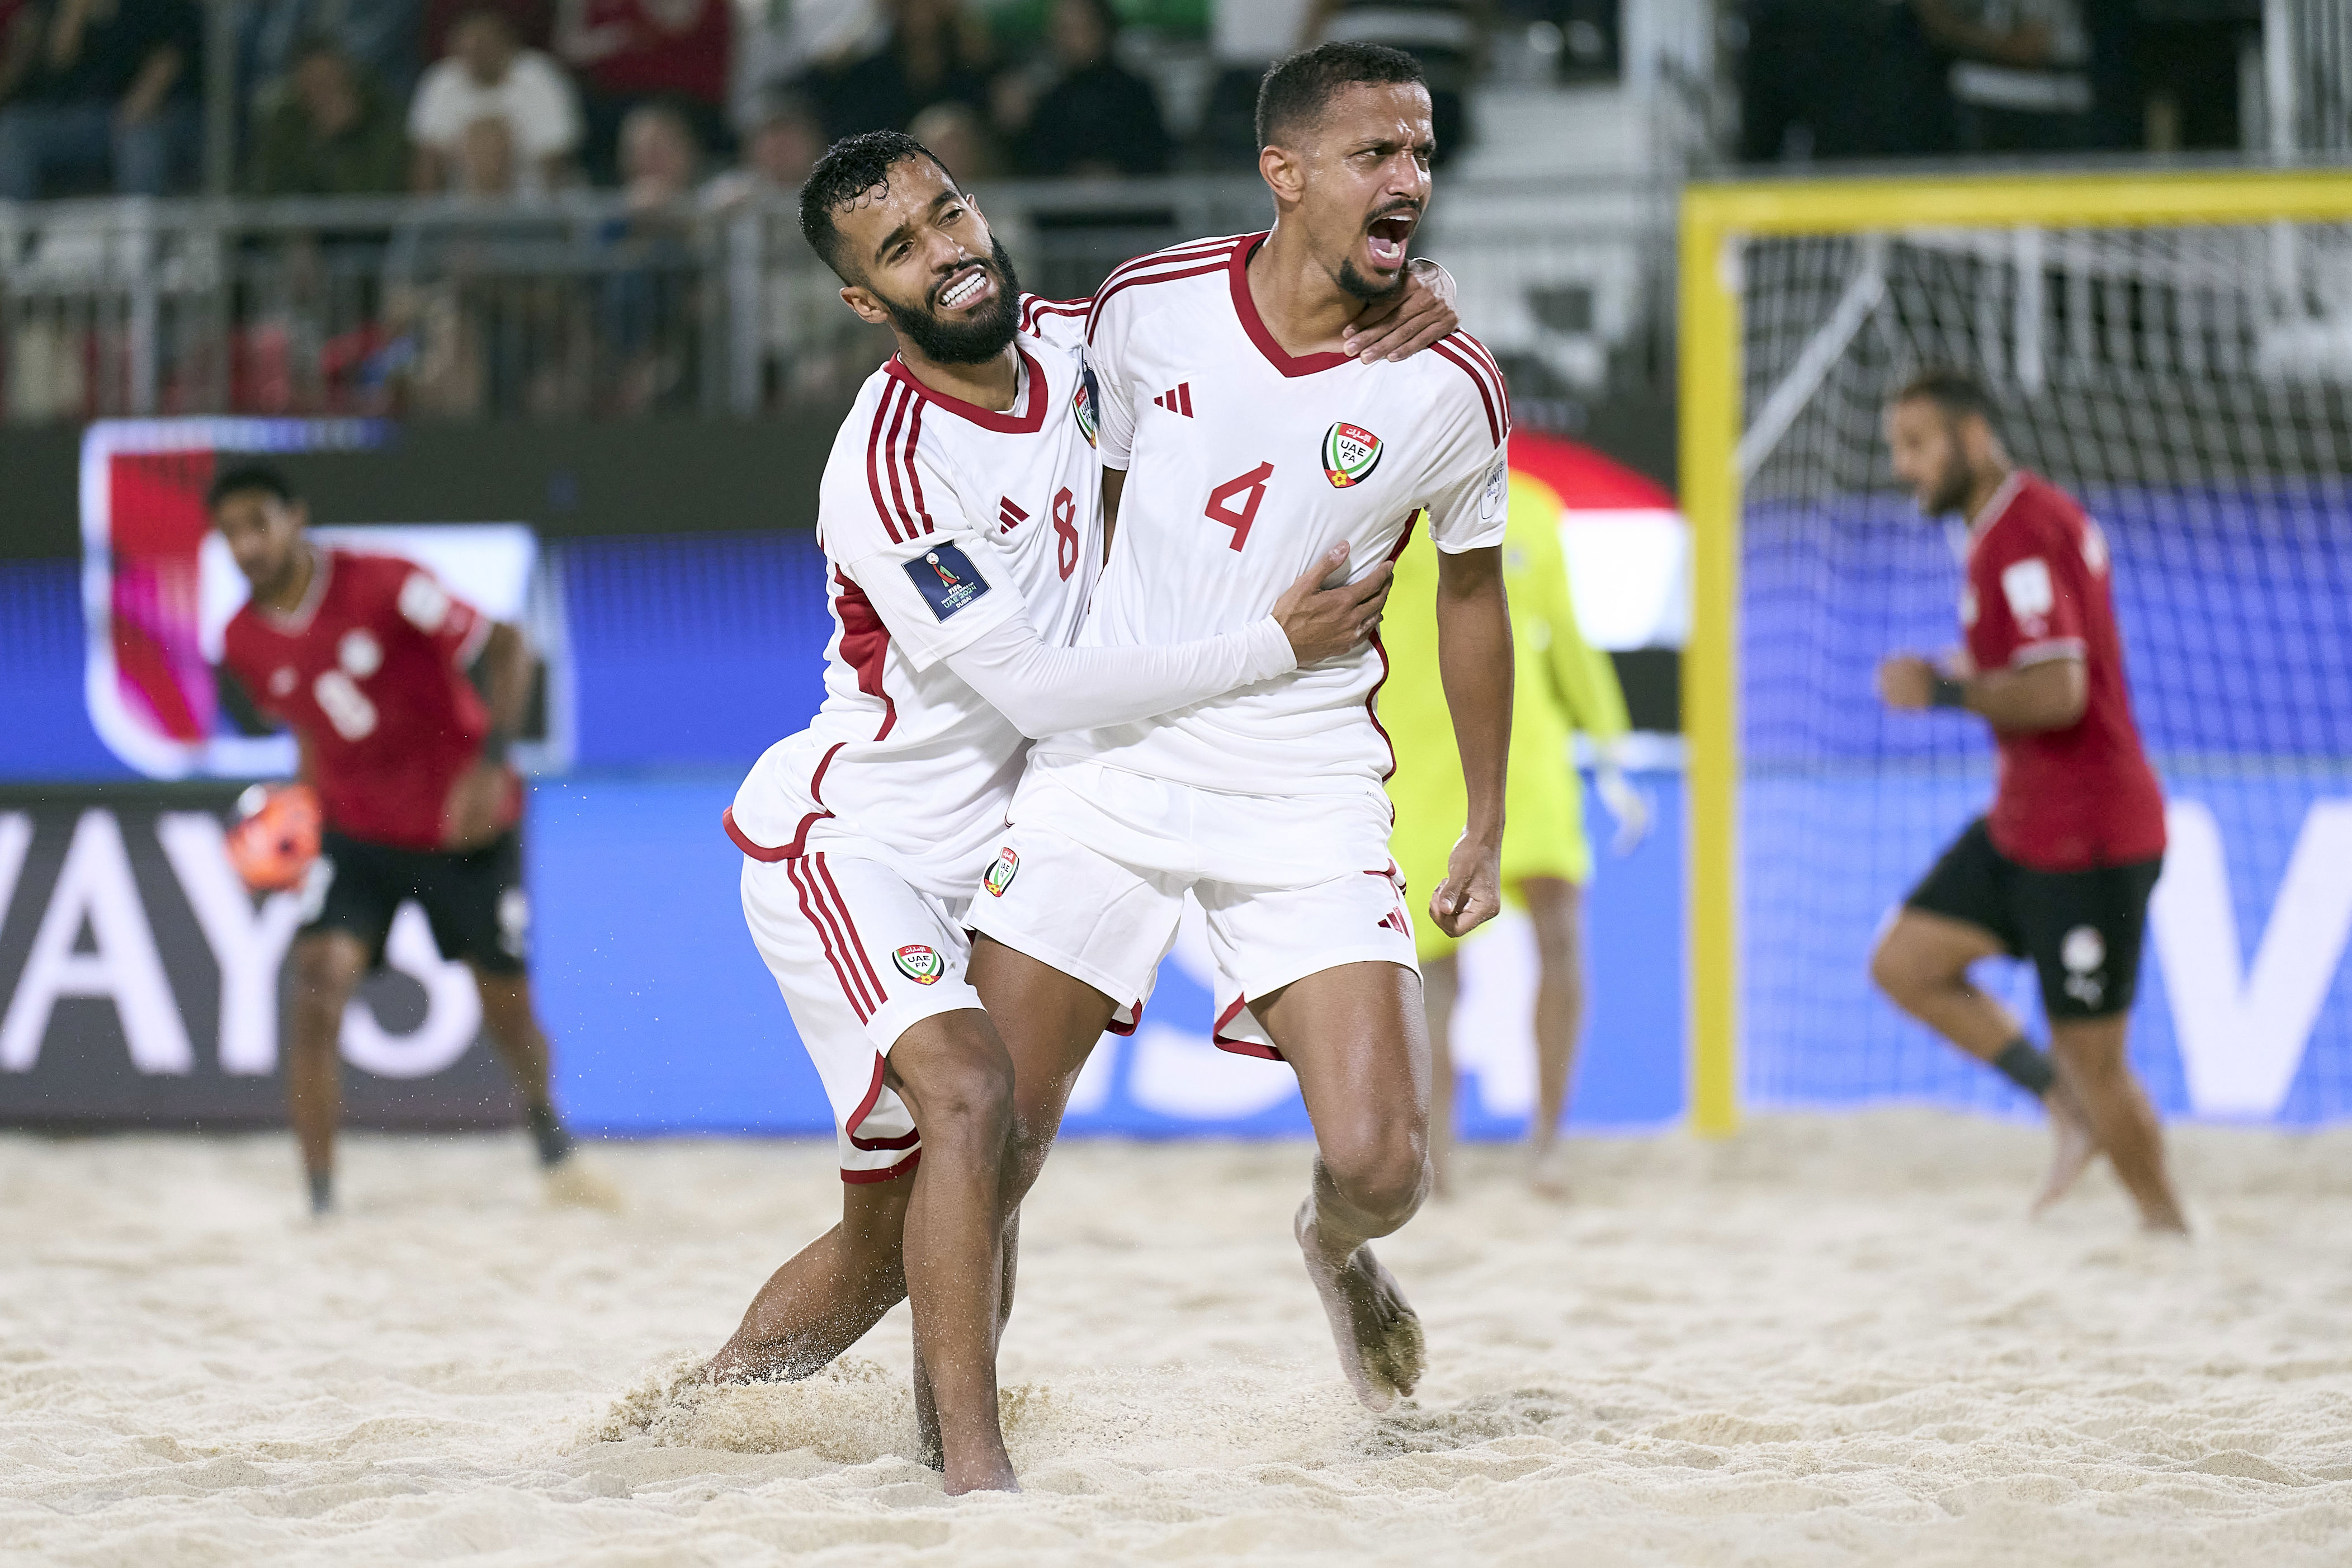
[{"x": 1562, "y": 685}]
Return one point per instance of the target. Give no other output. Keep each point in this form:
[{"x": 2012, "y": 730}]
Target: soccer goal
[{"x": 2177, "y": 351}]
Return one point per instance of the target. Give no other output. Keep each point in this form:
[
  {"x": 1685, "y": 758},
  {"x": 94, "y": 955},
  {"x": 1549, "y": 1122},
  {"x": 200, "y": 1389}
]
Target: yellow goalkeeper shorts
[{"x": 1543, "y": 835}]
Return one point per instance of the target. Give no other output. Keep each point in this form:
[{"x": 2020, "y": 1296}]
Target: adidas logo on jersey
[
  {"x": 1177, "y": 399},
  {"x": 1009, "y": 516}
]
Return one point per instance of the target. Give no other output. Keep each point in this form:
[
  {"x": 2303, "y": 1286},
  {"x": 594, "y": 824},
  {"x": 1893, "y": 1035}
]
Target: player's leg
[
  {"x": 952, "y": 1072},
  {"x": 2091, "y": 1053},
  {"x": 328, "y": 965},
  {"x": 1963, "y": 912},
  {"x": 1357, "y": 1036},
  {"x": 828, "y": 1294},
  {"x": 2084, "y": 930},
  {"x": 1556, "y": 909},
  {"x": 1441, "y": 987}
]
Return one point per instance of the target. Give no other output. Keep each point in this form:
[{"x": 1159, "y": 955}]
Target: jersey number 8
[{"x": 1065, "y": 532}]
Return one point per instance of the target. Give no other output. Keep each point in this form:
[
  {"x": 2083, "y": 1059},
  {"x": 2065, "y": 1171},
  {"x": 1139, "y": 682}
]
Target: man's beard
[
  {"x": 974, "y": 341},
  {"x": 1357, "y": 286},
  {"x": 1952, "y": 487}
]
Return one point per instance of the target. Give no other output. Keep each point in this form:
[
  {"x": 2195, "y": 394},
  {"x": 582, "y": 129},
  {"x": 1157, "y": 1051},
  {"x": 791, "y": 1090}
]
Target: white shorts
[
  {"x": 1091, "y": 877},
  {"x": 860, "y": 957}
]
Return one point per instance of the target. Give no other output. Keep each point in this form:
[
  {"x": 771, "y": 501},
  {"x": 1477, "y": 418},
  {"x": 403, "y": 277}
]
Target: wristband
[{"x": 1945, "y": 692}]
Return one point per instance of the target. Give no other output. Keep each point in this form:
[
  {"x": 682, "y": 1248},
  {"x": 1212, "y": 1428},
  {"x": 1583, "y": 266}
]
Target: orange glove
[{"x": 276, "y": 835}]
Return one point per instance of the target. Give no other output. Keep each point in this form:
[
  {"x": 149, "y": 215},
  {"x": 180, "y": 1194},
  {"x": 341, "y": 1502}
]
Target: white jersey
[
  {"x": 940, "y": 522},
  {"x": 1244, "y": 464}
]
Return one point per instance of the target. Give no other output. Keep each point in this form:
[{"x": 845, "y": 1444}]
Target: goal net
[{"x": 2188, "y": 374}]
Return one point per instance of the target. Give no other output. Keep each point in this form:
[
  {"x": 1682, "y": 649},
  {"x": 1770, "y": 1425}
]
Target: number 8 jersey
[
  {"x": 939, "y": 521},
  {"x": 1244, "y": 464}
]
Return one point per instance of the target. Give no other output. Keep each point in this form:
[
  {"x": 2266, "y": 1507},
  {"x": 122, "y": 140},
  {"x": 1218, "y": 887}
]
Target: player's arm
[
  {"x": 503, "y": 674},
  {"x": 2047, "y": 694},
  {"x": 1114, "y": 483},
  {"x": 1474, "y": 661}
]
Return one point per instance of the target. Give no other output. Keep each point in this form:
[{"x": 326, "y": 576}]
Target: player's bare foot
[
  {"x": 2073, "y": 1148},
  {"x": 1376, "y": 1330},
  {"x": 1547, "y": 1173},
  {"x": 576, "y": 1185},
  {"x": 992, "y": 1476}
]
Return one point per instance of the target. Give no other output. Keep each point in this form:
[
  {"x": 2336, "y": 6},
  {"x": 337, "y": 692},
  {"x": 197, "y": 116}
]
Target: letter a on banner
[
  {"x": 2242, "y": 1028},
  {"x": 94, "y": 885}
]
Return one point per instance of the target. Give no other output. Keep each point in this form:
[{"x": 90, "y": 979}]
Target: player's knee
[
  {"x": 1381, "y": 1172},
  {"x": 966, "y": 1098},
  {"x": 325, "y": 973},
  {"x": 1894, "y": 967}
]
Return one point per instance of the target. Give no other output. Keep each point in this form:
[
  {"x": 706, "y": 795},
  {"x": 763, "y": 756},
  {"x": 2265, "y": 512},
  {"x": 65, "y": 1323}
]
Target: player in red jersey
[
  {"x": 365, "y": 658},
  {"x": 2060, "y": 870}
]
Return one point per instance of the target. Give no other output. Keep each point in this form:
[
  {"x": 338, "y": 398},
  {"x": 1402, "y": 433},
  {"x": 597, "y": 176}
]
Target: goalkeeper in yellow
[{"x": 1563, "y": 686}]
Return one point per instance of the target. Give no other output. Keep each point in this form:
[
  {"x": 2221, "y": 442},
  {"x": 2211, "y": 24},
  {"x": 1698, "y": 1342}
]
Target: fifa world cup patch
[
  {"x": 1000, "y": 876},
  {"x": 921, "y": 964},
  {"x": 1087, "y": 403},
  {"x": 946, "y": 578},
  {"x": 1350, "y": 453}
]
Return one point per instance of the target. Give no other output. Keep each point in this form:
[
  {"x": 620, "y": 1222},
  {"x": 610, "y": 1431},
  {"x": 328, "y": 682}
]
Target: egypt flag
[{"x": 1628, "y": 549}]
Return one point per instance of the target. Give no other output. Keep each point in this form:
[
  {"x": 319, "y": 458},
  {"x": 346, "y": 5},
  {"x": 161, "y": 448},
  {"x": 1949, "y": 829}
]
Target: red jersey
[
  {"x": 2081, "y": 797},
  {"x": 628, "y": 47},
  {"x": 370, "y": 671}
]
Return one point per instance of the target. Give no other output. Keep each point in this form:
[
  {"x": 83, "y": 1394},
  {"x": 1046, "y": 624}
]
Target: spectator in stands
[
  {"x": 333, "y": 132},
  {"x": 112, "y": 86},
  {"x": 1841, "y": 79},
  {"x": 534, "y": 22},
  {"x": 20, "y": 41},
  {"x": 381, "y": 38},
  {"x": 624, "y": 53},
  {"x": 1447, "y": 37},
  {"x": 2021, "y": 76},
  {"x": 488, "y": 76},
  {"x": 937, "y": 52},
  {"x": 777, "y": 155},
  {"x": 962, "y": 138},
  {"x": 1098, "y": 117}
]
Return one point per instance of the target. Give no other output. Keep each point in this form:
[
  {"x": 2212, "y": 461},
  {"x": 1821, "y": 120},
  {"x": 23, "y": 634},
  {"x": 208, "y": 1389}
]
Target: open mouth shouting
[
  {"x": 1386, "y": 236},
  {"x": 970, "y": 285}
]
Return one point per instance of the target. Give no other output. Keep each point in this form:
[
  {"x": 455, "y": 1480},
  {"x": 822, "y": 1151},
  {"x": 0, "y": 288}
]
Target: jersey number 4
[{"x": 1221, "y": 506}]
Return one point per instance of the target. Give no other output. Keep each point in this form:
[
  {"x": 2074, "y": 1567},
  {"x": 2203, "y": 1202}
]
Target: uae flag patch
[{"x": 1350, "y": 453}]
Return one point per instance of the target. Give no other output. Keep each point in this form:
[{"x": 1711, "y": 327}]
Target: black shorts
[
  {"x": 2081, "y": 929},
  {"x": 474, "y": 901}
]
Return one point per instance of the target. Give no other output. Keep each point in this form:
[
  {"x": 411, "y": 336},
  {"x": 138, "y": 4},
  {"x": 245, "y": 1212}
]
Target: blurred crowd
[{"x": 661, "y": 98}]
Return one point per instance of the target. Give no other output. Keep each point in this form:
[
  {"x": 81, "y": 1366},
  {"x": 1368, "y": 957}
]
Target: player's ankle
[
  {"x": 321, "y": 1186},
  {"x": 549, "y": 1133},
  {"x": 2029, "y": 1069}
]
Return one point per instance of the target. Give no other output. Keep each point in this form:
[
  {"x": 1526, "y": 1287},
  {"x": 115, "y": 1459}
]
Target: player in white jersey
[
  {"x": 1249, "y": 445},
  {"x": 960, "y": 518}
]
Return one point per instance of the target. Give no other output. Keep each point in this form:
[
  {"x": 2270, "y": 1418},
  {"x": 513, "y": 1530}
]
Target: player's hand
[
  {"x": 1906, "y": 682},
  {"x": 479, "y": 807},
  {"x": 1626, "y": 803},
  {"x": 1471, "y": 893},
  {"x": 1324, "y": 622},
  {"x": 1422, "y": 313}
]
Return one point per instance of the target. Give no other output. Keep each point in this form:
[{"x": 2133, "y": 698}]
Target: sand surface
[{"x": 1834, "y": 1340}]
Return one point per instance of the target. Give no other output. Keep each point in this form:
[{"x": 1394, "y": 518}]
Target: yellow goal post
[{"x": 1717, "y": 222}]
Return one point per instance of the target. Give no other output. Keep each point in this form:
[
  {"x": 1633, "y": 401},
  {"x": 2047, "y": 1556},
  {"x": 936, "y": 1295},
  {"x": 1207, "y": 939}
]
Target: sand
[{"x": 1834, "y": 1340}]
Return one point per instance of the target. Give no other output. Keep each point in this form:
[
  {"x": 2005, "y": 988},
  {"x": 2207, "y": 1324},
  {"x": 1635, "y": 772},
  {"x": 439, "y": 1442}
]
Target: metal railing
[{"x": 578, "y": 307}]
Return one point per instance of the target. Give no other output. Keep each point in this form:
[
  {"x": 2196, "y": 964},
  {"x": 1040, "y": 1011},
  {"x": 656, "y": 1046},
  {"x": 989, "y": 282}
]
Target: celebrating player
[
  {"x": 962, "y": 521},
  {"x": 1564, "y": 685},
  {"x": 366, "y": 657},
  {"x": 1240, "y": 444},
  {"x": 2060, "y": 870}
]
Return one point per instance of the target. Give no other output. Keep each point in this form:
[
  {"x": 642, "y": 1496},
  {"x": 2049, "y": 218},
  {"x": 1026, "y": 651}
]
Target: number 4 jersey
[
  {"x": 1244, "y": 464},
  {"x": 940, "y": 522}
]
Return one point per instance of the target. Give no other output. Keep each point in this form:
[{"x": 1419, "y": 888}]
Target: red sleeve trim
[{"x": 1466, "y": 354}]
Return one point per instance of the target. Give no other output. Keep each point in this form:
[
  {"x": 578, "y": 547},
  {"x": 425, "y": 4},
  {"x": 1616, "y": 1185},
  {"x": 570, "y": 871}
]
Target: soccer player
[
  {"x": 962, "y": 519},
  {"x": 2060, "y": 870},
  {"x": 367, "y": 659},
  {"x": 1239, "y": 444},
  {"x": 1563, "y": 686}
]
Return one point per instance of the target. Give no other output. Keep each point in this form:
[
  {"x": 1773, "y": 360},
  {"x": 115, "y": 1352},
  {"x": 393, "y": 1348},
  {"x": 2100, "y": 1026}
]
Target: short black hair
[
  {"x": 239, "y": 477},
  {"x": 852, "y": 168},
  {"x": 1955, "y": 391},
  {"x": 1296, "y": 90}
]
